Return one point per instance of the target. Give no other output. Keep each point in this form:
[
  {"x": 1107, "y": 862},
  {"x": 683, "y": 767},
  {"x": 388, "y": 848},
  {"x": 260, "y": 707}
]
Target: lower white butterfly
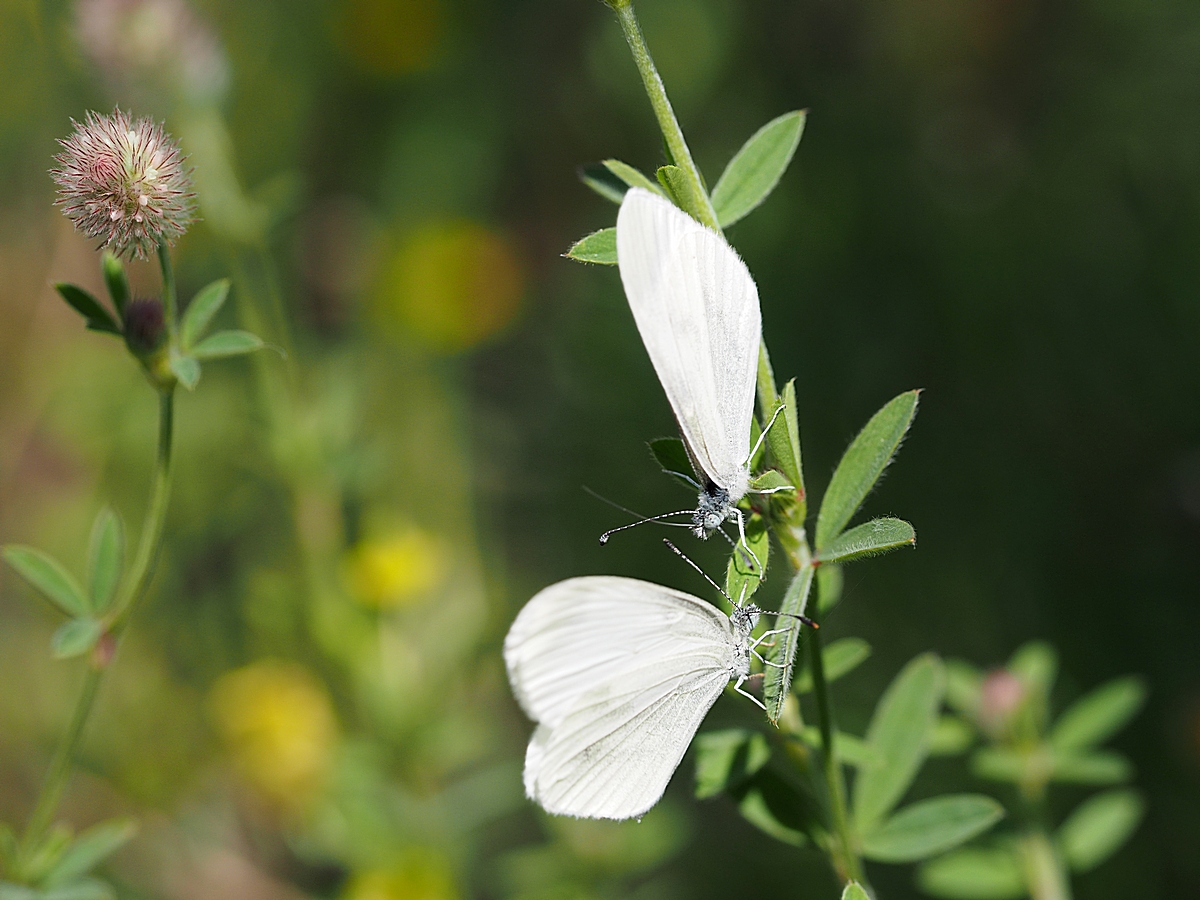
[{"x": 618, "y": 674}]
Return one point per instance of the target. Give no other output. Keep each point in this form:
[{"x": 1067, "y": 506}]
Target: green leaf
[
  {"x": 90, "y": 849},
  {"x": 829, "y": 587},
  {"x": 17, "y": 892},
  {"x": 599, "y": 247},
  {"x": 753, "y": 173},
  {"x": 117, "y": 283},
  {"x": 672, "y": 456},
  {"x": 1099, "y": 827},
  {"x": 778, "y": 676},
  {"x": 840, "y": 657},
  {"x": 631, "y": 176},
  {"x": 227, "y": 343},
  {"x": 869, "y": 539},
  {"x": 1036, "y": 664},
  {"x": 743, "y": 575},
  {"x": 96, "y": 316},
  {"x": 46, "y": 854},
  {"x": 974, "y": 874},
  {"x": 854, "y": 891},
  {"x": 951, "y": 737},
  {"x": 726, "y": 758},
  {"x": 863, "y": 464},
  {"x": 770, "y": 482},
  {"x": 783, "y": 440},
  {"x": 600, "y": 179},
  {"x": 8, "y": 846},
  {"x": 186, "y": 369},
  {"x": 76, "y": 637},
  {"x": 681, "y": 190},
  {"x": 776, "y": 808},
  {"x": 900, "y": 731},
  {"x": 930, "y": 827},
  {"x": 84, "y": 889},
  {"x": 50, "y": 579},
  {"x": 963, "y": 685},
  {"x": 853, "y": 751},
  {"x": 106, "y": 557},
  {"x": 1094, "y": 768},
  {"x": 1099, "y": 715},
  {"x": 206, "y": 304}
]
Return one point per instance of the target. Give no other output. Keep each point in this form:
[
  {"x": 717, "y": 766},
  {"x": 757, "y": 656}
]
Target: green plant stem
[
  {"x": 843, "y": 852},
  {"x": 1044, "y": 873},
  {"x": 137, "y": 586},
  {"x": 170, "y": 299}
]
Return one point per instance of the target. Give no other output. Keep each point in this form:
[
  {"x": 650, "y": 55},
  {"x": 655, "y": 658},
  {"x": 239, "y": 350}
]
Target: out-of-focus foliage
[{"x": 998, "y": 202}]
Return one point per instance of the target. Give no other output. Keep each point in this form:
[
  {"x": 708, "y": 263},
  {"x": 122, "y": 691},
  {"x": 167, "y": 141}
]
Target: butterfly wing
[
  {"x": 697, "y": 310},
  {"x": 587, "y": 631},
  {"x": 613, "y": 754}
]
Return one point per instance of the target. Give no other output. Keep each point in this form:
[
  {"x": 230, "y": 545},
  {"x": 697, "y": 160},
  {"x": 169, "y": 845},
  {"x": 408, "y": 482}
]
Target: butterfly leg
[
  {"x": 738, "y": 687},
  {"x": 736, "y": 513}
]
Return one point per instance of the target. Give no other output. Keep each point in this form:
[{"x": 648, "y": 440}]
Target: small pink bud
[
  {"x": 1000, "y": 696},
  {"x": 124, "y": 183}
]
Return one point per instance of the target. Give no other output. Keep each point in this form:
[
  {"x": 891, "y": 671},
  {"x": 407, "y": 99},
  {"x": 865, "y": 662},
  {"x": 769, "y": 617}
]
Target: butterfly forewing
[{"x": 697, "y": 310}]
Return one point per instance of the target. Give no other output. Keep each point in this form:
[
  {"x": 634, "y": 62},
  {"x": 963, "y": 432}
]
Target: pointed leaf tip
[
  {"x": 200, "y": 312},
  {"x": 599, "y": 247},
  {"x": 48, "y": 577},
  {"x": 756, "y": 169}
]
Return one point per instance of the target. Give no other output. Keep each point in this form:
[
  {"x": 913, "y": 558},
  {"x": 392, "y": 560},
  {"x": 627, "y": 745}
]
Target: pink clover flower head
[{"x": 124, "y": 183}]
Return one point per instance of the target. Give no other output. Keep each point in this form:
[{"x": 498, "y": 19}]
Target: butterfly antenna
[
  {"x": 805, "y": 619},
  {"x": 683, "y": 512},
  {"x": 687, "y": 560},
  {"x": 612, "y": 503},
  {"x": 762, "y": 437}
]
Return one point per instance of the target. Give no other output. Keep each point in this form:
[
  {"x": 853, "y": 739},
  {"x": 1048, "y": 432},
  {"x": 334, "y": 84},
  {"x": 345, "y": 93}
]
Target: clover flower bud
[
  {"x": 124, "y": 183},
  {"x": 1001, "y": 696},
  {"x": 145, "y": 326}
]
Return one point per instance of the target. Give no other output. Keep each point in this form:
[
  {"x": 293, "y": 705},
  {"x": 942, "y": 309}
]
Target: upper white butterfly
[
  {"x": 618, "y": 674},
  {"x": 697, "y": 310}
]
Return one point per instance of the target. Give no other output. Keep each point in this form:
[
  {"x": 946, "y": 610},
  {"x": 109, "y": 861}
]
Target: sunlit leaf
[
  {"x": 1094, "y": 768},
  {"x": 50, "y": 579},
  {"x": 869, "y": 539},
  {"x": 778, "y": 676},
  {"x": 599, "y": 247},
  {"x": 783, "y": 440},
  {"x": 90, "y": 849},
  {"x": 227, "y": 343},
  {"x": 1095, "y": 718},
  {"x": 770, "y": 482},
  {"x": 951, "y": 737},
  {"x": 862, "y": 465},
  {"x": 900, "y": 731},
  {"x": 76, "y": 637},
  {"x": 974, "y": 874},
  {"x": 841, "y": 657},
  {"x": 855, "y": 891},
  {"x": 106, "y": 556},
  {"x": 963, "y": 684},
  {"x": 748, "y": 563},
  {"x": 186, "y": 369},
  {"x": 851, "y": 750},
  {"x": 206, "y": 304},
  {"x": 96, "y": 317},
  {"x": 727, "y": 758},
  {"x": 1099, "y": 827},
  {"x": 756, "y": 169},
  {"x": 930, "y": 827}
]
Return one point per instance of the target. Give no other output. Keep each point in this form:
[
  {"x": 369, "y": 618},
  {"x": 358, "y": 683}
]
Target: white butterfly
[
  {"x": 618, "y": 674},
  {"x": 697, "y": 310}
]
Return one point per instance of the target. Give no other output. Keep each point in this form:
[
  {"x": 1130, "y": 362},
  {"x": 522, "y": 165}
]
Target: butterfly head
[
  {"x": 745, "y": 618},
  {"x": 713, "y": 507}
]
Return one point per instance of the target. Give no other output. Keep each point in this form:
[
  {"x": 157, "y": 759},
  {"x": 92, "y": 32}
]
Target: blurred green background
[{"x": 998, "y": 202}]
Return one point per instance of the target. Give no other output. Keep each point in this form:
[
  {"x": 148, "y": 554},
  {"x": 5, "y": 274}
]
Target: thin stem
[
  {"x": 170, "y": 300},
  {"x": 137, "y": 585},
  {"x": 844, "y": 856},
  {"x": 681, "y": 156},
  {"x": 1044, "y": 873}
]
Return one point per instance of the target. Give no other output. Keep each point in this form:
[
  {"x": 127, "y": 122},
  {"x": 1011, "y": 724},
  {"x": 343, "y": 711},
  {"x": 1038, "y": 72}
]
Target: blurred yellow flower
[
  {"x": 278, "y": 722},
  {"x": 397, "y": 569},
  {"x": 421, "y": 875},
  {"x": 450, "y": 285},
  {"x": 392, "y": 37}
]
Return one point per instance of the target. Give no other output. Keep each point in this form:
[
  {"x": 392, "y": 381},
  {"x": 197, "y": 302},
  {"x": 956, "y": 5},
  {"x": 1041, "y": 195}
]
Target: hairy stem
[
  {"x": 844, "y": 855},
  {"x": 134, "y": 589}
]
